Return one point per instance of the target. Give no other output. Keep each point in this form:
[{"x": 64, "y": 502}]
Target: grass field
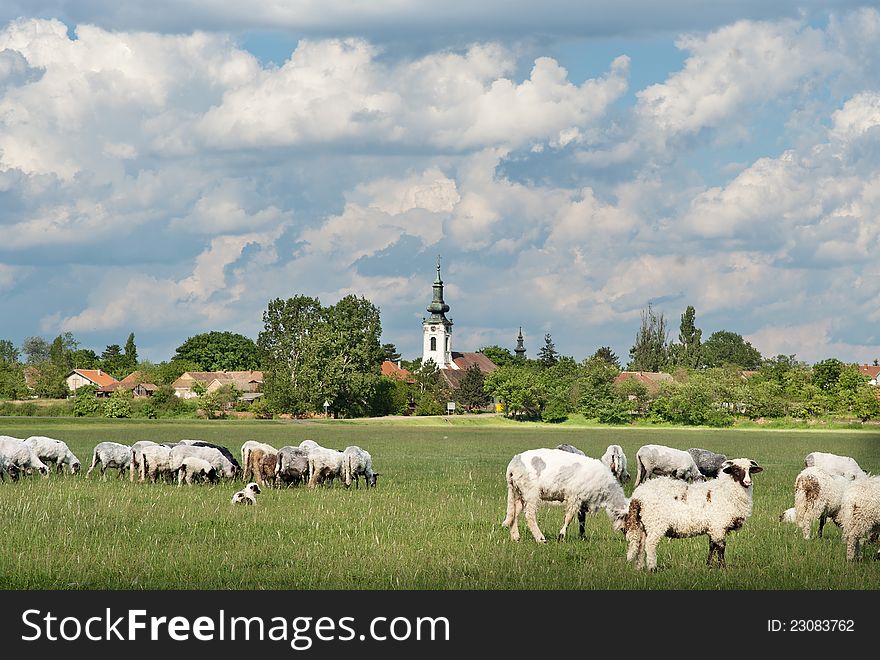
[{"x": 432, "y": 523}]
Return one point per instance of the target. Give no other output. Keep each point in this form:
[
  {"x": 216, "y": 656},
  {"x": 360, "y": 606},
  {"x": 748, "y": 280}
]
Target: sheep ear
[
  {"x": 727, "y": 466},
  {"x": 755, "y": 468}
]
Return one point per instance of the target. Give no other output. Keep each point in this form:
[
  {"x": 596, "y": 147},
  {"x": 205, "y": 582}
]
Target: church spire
[
  {"x": 438, "y": 307},
  {"x": 520, "y": 349}
]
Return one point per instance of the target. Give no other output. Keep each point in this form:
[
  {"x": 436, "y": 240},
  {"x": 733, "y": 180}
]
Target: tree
[
  {"x": 471, "y": 392},
  {"x": 517, "y": 386},
  {"x": 114, "y": 362},
  {"x": 131, "y": 354},
  {"x": 389, "y": 351},
  {"x": 36, "y": 349},
  {"x": 606, "y": 354},
  {"x": 84, "y": 358},
  {"x": 686, "y": 353},
  {"x": 548, "y": 356},
  {"x": 725, "y": 347},
  {"x": 650, "y": 351},
  {"x": 8, "y": 353},
  {"x": 500, "y": 356},
  {"x": 219, "y": 351},
  {"x": 826, "y": 373},
  {"x": 166, "y": 373}
]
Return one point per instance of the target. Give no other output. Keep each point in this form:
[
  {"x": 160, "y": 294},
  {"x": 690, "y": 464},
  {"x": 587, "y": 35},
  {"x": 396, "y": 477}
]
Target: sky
[{"x": 168, "y": 168}]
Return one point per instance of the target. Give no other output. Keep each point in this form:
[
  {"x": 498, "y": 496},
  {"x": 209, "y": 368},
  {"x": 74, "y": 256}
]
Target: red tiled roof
[
  {"x": 100, "y": 378},
  {"x": 869, "y": 370},
  {"x": 393, "y": 371},
  {"x": 650, "y": 379},
  {"x": 464, "y": 361}
]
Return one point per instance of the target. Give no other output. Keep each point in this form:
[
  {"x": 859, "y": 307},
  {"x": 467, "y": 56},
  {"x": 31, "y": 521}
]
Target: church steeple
[
  {"x": 437, "y": 329},
  {"x": 438, "y": 308},
  {"x": 520, "y": 349}
]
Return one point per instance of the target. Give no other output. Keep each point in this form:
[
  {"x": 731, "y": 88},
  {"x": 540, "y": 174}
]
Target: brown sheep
[{"x": 262, "y": 465}]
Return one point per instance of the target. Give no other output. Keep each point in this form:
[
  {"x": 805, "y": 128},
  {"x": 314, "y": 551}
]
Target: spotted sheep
[
  {"x": 708, "y": 462},
  {"x": 50, "y": 450},
  {"x": 357, "y": 462},
  {"x": 834, "y": 464},
  {"x": 292, "y": 466},
  {"x": 860, "y": 515},
  {"x": 215, "y": 457},
  {"x": 818, "y": 495},
  {"x": 193, "y": 468},
  {"x": 16, "y": 457},
  {"x": 110, "y": 455},
  {"x": 324, "y": 465},
  {"x": 247, "y": 495},
  {"x": 581, "y": 483},
  {"x": 665, "y": 461},
  {"x": 670, "y": 507}
]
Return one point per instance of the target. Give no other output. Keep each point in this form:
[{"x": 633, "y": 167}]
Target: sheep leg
[
  {"x": 712, "y": 548},
  {"x": 510, "y": 516},
  {"x": 514, "y": 525},
  {"x": 852, "y": 547},
  {"x": 651, "y": 550},
  {"x": 821, "y": 525},
  {"x": 570, "y": 510},
  {"x": 103, "y": 472},
  {"x": 582, "y": 521},
  {"x": 531, "y": 511}
]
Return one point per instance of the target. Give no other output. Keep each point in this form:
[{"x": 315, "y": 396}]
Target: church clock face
[{"x": 433, "y": 328}]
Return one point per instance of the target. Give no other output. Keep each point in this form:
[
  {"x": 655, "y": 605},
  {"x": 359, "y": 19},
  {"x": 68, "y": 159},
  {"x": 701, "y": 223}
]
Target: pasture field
[{"x": 432, "y": 523}]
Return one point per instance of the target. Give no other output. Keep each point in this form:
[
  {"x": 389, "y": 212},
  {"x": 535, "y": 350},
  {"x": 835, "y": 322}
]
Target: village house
[
  {"x": 133, "y": 383},
  {"x": 650, "y": 379},
  {"x": 248, "y": 382},
  {"x": 79, "y": 377},
  {"x": 872, "y": 372}
]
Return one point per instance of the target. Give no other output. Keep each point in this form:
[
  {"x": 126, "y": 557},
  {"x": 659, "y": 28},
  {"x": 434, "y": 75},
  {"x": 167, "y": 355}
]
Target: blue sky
[{"x": 168, "y": 171}]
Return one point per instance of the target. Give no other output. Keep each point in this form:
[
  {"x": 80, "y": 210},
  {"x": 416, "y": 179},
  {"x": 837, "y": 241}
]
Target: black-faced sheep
[
  {"x": 193, "y": 469},
  {"x": 247, "y": 495},
  {"x": 670, "y": 507}
]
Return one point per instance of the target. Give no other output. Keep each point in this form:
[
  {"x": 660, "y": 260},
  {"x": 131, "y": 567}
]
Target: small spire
[{"x": 520, "y": 349}]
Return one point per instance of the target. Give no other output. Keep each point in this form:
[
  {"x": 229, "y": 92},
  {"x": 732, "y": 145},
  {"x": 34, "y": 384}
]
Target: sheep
[
  {"x": 571, "y": 449},
  {"x": 223, "y": 450},
  {"x": 834, "y": 464},
  {"x": 309, "y": 445},
  {"x": 245, "y": 449},
  {"x": 661, "y": 460},
  {"x": 135, "y": 461},
  {"x": 817, "y": 495},
  {"x": 292, "y": 466},
  {"x": 247, "y": 495},
  {"x": 155, "y": 461},
  {"x": 110, "y": 455},
  {"x": 324, "y": 464},
  {"x": 213, "y": 456},
  {"x": 193, "y": 468},
  {"x": 860, "y": 514},
  {"x": 581, "y": 483},
  {"x": 789, "y": 516},
  {"x": 708, "y": 462},
  {"x": 54, "y": 451},
  {"x": 615, "y": 459},
  {"x": 261, "y": 465},
  {"x": 16, "y": 456},
  {"x": 355, "y": 462},
  {"x": 670, "y": 507}
]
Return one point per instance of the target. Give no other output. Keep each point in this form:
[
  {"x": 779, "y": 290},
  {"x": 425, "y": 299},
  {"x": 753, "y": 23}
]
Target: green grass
[{"x": 433, "y": 522}]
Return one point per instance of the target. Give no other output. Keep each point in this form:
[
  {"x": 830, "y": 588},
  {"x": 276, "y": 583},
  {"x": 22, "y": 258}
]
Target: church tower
[
  {"x": 437, "y": 329},
  {"x": 520, "y": 349}
]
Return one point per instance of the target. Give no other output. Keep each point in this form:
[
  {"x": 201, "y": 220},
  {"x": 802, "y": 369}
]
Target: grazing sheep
[
  {"x": 666, "y": 461},
  {"x": 17, "y": 456},
  {"x": 817, "y": 496},
  {"x": 309, "y": 445},
  {"x": 223, "y": 450},
  {"x": 247, "y": 495},
  {"x": 324, "y": 464},
  {"x": 356, "y": 462},
  {"x": 261, "y": 465},
  {"x": 708, "y": 462},
  {"x": 789, "y": 515},
  {"x": 193, "y": 468},
  {"x": 110, "y": 455},
  {"x": 215, "y": 457},
  {"x": 292, "y": 466},
  {"x": 670, "y": 507},
  {"x": 834, "y": 464},
  {"x": 50, "y": 450},
  {"x": 615, "y": 459},
  {"x": 135, "y": 460},
  {"x": 155, "y": 461},
  {"x": 571, "y": 449},
  {"x": 860, "y": 515},
  {"x": 579, "y": 482},
  {"x": 245, "y": 450},
  {"x": 8, "y": 467}
]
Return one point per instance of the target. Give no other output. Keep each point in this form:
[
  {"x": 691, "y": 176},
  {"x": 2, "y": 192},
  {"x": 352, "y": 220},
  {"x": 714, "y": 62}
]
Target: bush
[
  {"x": 554, "y": 411},
  {"x": 614, "y": 412},
  {"x": 428, "y": 405},
  {"x": 117, "y": 407},
  {"x": 260, "y": 409},
  {"x": 86, "y": 406}
]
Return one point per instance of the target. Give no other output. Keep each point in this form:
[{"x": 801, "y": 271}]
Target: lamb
[
  {"x": 247, "y": 495},
  {"x": 356, "y": 462},
  {"x": 16, "y": 456},
  {"x": 860, "y": 514},
  {"x": 581, "y": 483},
  {"x": 135, "y": 460},
  {"x": 615, "y": 459},
  {"x": 708, "y": 462},
  {"x": 215, "y": 457},
  {"x": 110, "y": 455},
  {"x": 670, "y": 507},
  {"x": 834, "y": 464},
  {"x": 261, "y": 465},
  {"x": 50, "y": 450},
  {"x": 245, "y": 450},
  {"x": 324, "y": 464},
  {"x": 817, "y": 495},
  {"x": 193, "y": 468},
  {"x": 292, "y": 466},
  {"x": 571, "y": 449},
  {"x": 789, "y": 515},
  {"x": 661, "y": 460}
]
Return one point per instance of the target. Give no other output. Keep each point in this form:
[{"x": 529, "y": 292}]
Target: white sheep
[
  {"x": 834, "y": 464},
  {"x": 16, "y": 457},
  {"x": 615, "y": 459},
  {"x": 670, "y": 507},
  {"x": 215, "y": 457},
  {"x": 860, "y": 514},
  {"x": 581, "y": 483},
  {"x": 135, "y": 458},
  {"x": 789, "y": 516},
  {"x": 54, "y": 451},
  {"x": 110, "y": 455},
  {"x": 661, "y": 460},
  {"x": 357, "y": 462},
  {"x": 193, "y": 468},
  {"x": 155, "y": 461},
  {"x": 245, "y": 455},
  {"x": 817, "y": 495},
  {"x": 247, "y": 495},
  {"x": 324, "y": 464}
]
